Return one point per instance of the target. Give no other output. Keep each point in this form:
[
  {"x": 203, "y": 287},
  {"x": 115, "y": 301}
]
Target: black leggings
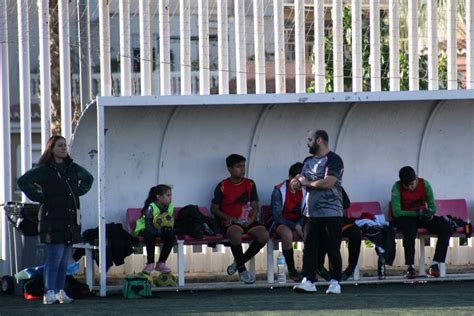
[
  {"x": 150, "y": 243},
  {"x": 353, "y": 235}
]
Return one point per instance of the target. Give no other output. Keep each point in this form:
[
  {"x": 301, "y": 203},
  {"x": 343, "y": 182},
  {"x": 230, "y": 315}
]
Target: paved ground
[{"x": 439, "y": 298}]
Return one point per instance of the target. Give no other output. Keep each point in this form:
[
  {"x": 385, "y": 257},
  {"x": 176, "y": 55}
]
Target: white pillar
[
  {"x": 469, "y": 45},
  {"x": 356, "y": 23},
  {"x": 146, "y": 61},
  {"x": 185, "y": 46},
  {"x": 101, "y": 198},
  {"x": 85, "y": 81},
  {"x": 431, "y": 14},
  {"x": 5, "y": 156},
  {"x": 24, "y": 76},
  {"x": 223, "y": 47},
  {"x": 394, "y": 51},
  {"x": 451, "y": 45},
  {"x": 104, "y": 37},
  {"x": 164, "y": 29},
  {"x": 240, "y": 47},
  {"x": 259, "y": 40},
  {"x": 319, "y": 63},
  {"x": 203, "y": 22},
  {"x": 338, "y": 72},
  {"x": 300, "y": 63},
  {"x": 65, "y": 70},
  {"x": 125, "y": 51},
  {"x": 279, "y": 38},
  {"x": 375, "y": 73},
  {"x": 413, "y": 72},
  {"x": 45, "y": 72}
]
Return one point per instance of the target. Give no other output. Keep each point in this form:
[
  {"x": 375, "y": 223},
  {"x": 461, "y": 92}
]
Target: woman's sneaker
[
  {"x": 434, "y": 271},
  {"x": 411, "y": 273},
  {"x": 63, "y": 298},
  {"x": 49, "y": 297},
  {"x": 306, "y": 286},
  {"x": 334, "y": 287}
]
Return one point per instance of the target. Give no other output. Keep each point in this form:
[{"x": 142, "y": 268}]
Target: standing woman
[{"x": 57, "y": 182}]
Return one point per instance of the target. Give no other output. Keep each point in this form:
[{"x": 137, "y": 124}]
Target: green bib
[{"x": 140, "y": 224}]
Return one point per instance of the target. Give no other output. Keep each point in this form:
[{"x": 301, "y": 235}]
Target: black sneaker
[
  {"x": 434, "y": 271},
  {"x": 295, "y": 276},
  {"x": 347, "y": 274},
  {"x": 411, "y": 273},
  {"x": 324, "y": 274}
]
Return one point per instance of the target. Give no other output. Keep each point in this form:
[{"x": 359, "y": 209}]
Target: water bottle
[
  {"x": 281, "y": 269},
  {"x": 244, "y": 216},
  {"x": 381, "y": 267}
]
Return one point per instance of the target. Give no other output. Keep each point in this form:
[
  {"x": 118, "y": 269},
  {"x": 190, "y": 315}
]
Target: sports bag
[{"x": 136, "y": 287}]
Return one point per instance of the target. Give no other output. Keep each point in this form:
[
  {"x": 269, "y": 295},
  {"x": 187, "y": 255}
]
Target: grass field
[{"x": 439, "y": 298}]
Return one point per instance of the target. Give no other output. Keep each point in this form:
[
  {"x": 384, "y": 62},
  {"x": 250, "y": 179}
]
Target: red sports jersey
[
  {"x": 292, "y": 207},
  {"x": 413, "y": 200},
  {"x": 231, "y": 197}
]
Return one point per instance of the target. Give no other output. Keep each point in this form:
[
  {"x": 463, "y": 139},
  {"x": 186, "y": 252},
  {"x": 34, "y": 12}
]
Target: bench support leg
[
  {"x": 89, "y": 268},
  {"x": 252, "y": 265},
  {"x": 357, "y": 272},
  {"x": 180, "y": 263},
  {"x": 270, "y": 274},
  {"x": 422, "y": 257},
  {"x": 442, "y": 269}
]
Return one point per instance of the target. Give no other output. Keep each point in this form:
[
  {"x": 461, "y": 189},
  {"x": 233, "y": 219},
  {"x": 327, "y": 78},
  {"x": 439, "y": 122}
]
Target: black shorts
[{"x": 244, "y": 228}]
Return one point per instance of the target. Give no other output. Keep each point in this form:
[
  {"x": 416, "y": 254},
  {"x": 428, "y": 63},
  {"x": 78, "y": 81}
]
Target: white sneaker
[
  {"x": 334, "y": 287},
  {"x": 305, "y": 286},
  {"x": 49, "y": 297},
  {"x": 63, "y": 298}
]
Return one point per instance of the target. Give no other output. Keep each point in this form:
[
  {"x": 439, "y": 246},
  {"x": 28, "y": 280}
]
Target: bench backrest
[
  {"x": 134, "y": 213},
  {"x": 454, "y": 207},
  {"x": 357, "y": 208}
]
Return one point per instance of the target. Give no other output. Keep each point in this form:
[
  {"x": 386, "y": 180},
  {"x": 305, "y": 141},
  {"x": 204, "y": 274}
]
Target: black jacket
[{"x": 58, "y": 189}]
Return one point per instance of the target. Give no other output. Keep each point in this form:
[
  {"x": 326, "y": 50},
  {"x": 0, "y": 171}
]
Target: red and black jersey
[
  {"x": 231, "y": 197},
  {"x": 292, "y": 207},
  {"x": 413, "y": 200}
]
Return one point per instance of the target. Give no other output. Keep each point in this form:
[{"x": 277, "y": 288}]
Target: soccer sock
[
  {"x": 238, "y": 257},
  {"x": 253, "y": 249},
  {"x": 290, "y": 261}
]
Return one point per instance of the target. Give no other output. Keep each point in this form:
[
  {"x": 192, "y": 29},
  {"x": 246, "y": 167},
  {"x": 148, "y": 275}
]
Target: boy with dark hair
[
  {"x": 414, "y": 207},
  {"x": 235, "y": 203},
  {"x": 287, "y": 204}
]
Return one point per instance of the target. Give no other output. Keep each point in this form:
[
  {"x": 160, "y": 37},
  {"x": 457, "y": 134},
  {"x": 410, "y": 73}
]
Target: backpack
[
  {"x": 75, "y": 288},
  {"x": 457, "y": 223},
  {"x": 190, "y": 221}
]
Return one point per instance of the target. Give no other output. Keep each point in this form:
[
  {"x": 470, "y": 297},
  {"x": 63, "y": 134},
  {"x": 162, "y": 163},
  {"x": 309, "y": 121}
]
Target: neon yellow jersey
[{"x": 140, "y": 224}]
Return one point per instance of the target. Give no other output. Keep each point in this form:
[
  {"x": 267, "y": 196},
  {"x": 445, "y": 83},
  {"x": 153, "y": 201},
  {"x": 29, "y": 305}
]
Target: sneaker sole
[{"x": 333, "y": 292}]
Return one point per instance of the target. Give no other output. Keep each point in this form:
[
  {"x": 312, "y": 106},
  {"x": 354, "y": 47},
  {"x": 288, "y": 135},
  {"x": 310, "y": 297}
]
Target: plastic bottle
[
  {"x": 281, "y": 269},
  {"x": 244, "y": 216}
]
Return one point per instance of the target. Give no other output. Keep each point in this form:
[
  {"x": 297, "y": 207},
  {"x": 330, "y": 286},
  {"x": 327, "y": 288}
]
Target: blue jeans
[{"x": 59, "y": 256}]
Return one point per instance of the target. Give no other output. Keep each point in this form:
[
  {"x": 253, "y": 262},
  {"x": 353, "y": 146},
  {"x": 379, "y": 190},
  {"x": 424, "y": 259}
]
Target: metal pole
[
  {"x": 45, "y": 72},
  {"x": 83, "y": 31},
  {"x": 104, "y": 35},
  {"x": 185, "y": 46},
  {"x": 203, "y": 23},
  {"x": 125, "y": 58},
  {"x": 259, "y": 39},
  {"x": 300, "y": 63},
  {"x": 240, "y": 47},
  {"x": 375, "y": 74},
  {"x": 279, "y": 38},
  {"x": 65, "y": 70},
  {"x": 145, "y": 47},
  {"x": 165, "y": 61},
  {"x": 5, "y": 157},
  {"x": 25, "y": 102},
  {"x": 319, "y": 65},
  {"x": 223, "y": 46},
  {"x": 356, "y": 46}
]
